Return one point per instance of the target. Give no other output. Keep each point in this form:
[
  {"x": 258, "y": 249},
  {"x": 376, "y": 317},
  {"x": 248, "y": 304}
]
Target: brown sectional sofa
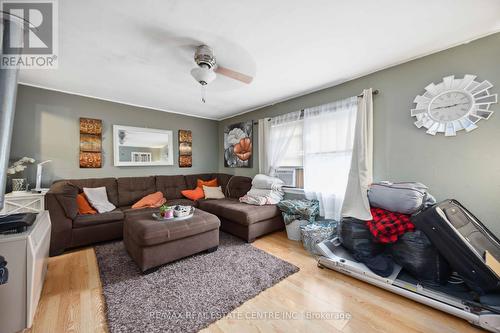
[
  {"x": 245, "y": 221},
  {"x": 70, "y": 230}
]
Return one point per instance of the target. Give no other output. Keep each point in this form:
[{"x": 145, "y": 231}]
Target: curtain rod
[{"x": 374, "y": 92}]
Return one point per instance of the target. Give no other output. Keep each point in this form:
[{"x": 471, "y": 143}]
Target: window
[
  {"x": 327, "y": 140},
  {"x": 294, "y": 154},
  {"x": 141, "y": 157},
  {"x": 293, "y": 157},
  {"x": 312, "y": 149}
]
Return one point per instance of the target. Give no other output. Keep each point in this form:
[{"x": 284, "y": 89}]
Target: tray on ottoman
[
  {"x": 152, "y": 243},
  {"x": 182, "y": 216}
]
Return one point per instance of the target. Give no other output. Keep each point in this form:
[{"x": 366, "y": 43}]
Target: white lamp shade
[{"x": 203, "y": 75}]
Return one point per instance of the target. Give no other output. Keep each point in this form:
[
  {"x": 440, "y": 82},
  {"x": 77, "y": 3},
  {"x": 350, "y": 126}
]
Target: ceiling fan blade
[{"x": 233, "y": 74}]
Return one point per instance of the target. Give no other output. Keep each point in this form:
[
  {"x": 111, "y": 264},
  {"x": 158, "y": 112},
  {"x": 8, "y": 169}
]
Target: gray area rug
[{"x": 186, "y": 295}]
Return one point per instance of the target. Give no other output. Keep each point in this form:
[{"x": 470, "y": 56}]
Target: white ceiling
[{"x": 140, "y": 52}]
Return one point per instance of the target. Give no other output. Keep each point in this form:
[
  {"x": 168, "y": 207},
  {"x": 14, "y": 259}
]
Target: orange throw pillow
[
  {"x": 83, "y": 205},
  {"x": 195, "y": 194},
  {"x": 209, "y": 183},
  {"x": 153, "y": 200}
]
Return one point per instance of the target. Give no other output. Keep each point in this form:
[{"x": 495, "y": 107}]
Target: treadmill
[{"x": 455, "y": 299}]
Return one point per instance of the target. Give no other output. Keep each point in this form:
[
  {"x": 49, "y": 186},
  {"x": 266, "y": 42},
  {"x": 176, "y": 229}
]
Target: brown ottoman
[{"x": 152, "y": 243}]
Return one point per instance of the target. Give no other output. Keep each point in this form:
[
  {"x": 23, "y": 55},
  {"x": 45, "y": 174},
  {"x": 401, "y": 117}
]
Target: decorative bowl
[{"x": 181, "y": 211}]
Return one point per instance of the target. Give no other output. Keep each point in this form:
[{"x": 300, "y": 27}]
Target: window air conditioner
[{"x": 287, "y": 175}]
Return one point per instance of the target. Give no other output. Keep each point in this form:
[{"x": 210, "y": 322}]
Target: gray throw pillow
[
  {"x": 98, "y": 198},
  {"x": 213, "y": 192}
]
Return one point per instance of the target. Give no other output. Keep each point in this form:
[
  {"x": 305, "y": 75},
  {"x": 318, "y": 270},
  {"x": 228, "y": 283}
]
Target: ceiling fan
[{"x": 208, "y": 67}]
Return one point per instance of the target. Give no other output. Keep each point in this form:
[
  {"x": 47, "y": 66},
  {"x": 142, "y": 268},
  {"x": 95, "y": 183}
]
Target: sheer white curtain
[
  {"x": 361, "y": 174},
  {"x": 263, "y": 143},
  {"x": 328, "y": 135},
  {"x": 276, "y": 137}
]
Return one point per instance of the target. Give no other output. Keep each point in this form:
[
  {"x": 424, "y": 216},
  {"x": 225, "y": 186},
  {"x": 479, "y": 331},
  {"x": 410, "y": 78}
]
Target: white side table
[{"x": 24, "y": 202}]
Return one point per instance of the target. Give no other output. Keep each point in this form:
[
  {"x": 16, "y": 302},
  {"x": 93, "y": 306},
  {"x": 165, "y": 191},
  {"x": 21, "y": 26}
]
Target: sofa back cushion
[
  {"x": 210, "y": 183},
  {"x": 108, "y": 183},
  {"x": 66, "y": 194},
  {"x": 222, "y": 180},
  {"x": 238, "y": 186},
  {"x": 133, "y": 189},
  {"x": 192, "y": 180},
  {"x": 171, "y": 186}
]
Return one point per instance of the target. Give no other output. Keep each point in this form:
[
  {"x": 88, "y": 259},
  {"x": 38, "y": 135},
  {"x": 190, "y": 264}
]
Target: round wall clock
[{"x": 453, "y": 105}]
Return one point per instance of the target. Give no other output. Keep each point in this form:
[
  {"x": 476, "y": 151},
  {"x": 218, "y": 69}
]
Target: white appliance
[
  {"x": 287, "y": 175},
  {"x": 26, "y": 254}
]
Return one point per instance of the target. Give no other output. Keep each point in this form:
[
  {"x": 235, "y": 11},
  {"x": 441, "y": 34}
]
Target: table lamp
[{"x": 38, "y": 188}]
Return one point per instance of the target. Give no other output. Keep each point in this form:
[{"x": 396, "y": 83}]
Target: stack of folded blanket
[{"x": 265, "y": 190}]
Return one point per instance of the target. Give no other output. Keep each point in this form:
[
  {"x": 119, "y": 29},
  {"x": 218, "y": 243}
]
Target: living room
[{"x": 173, "y": 166}]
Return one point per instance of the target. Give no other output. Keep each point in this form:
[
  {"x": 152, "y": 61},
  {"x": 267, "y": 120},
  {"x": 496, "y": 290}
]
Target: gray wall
[
  {"x": 46, "y": 126},
  {"x": 465, "y": 167}
]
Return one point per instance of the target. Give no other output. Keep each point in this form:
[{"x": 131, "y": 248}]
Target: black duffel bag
[
  {"x": 357, "y": 239},
  {"x": 419, "y": 257}
]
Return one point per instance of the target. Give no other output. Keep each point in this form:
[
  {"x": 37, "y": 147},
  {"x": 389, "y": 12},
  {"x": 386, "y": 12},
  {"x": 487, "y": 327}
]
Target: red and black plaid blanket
[{"x": 386, "y": 226}]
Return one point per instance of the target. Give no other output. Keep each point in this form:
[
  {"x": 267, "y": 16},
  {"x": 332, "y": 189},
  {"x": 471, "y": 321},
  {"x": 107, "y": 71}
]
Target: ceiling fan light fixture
[
  {"x": 207, "y": 68},
  {"x": 203, "y": 75}
]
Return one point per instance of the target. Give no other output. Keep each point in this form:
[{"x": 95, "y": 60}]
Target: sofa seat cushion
[
  {"x": 82, "y": 221},
  {"x": 145, "y": 231},
  {"x": 128, "y": 210},
  {"x": 241, "y": 213}
]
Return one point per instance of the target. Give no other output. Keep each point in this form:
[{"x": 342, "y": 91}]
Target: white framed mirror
[{"x": 136, "y": 146}]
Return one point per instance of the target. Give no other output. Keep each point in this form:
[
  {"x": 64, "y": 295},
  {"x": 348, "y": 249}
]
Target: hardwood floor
[{"x": 72, "y": 300}]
